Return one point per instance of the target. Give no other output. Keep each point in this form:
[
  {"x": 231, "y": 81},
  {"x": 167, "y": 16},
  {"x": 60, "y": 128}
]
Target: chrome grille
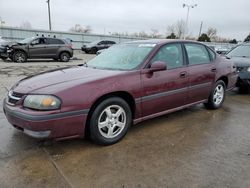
[{"x": 14, "y": 97}]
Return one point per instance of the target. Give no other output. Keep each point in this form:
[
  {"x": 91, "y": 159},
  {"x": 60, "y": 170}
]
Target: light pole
[
  {"x": 48, "y": 1},
  {"x": 188, "y": 6}
]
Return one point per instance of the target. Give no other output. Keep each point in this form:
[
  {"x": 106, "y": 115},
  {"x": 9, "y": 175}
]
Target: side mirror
[{"x": 158, "y": 66}]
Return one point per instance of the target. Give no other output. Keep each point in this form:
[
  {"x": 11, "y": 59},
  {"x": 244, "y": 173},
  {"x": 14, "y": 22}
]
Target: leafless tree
[
  {"x": 211, "y": 33},
  {"x": 80, "y": 29},
  {"x": 155, "y": 33},
  {"x": 171, "y": 29},
  {"x": 177, "y": 28},
  {"x": 26, "y": 25},
  {"x": 180, "y": 28}
]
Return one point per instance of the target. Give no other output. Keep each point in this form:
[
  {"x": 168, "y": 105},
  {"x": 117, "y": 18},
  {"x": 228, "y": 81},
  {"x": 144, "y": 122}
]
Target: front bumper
[
  {"x": 58, "y": 125},
  {"x": 86, "y": 49}
]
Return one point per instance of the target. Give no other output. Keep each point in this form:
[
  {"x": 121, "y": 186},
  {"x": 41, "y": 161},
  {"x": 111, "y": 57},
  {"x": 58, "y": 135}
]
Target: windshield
[
  {"x": 240, "y": 51},
  {"x": 121, "y": 57},
  {"x": 27, "y": 40}
]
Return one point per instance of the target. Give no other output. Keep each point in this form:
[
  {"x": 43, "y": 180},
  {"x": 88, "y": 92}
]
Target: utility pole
[
  {"x": 48, "y": 1},
  {"x": 188, "y": 6},
  {"x": 200, "y": 29}
]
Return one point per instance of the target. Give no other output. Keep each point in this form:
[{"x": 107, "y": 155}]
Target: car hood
[
  {"x": 67, "y": 76},
  {"x": 241, "y": 61},
  {"x": 8, "y": 44}
]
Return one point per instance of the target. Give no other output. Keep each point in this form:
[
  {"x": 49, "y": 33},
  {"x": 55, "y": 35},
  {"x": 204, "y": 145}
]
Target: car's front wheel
[
  {"x": 3, "y": 58},
  {"x": 19, "y": 57},
  {"x": 217, "y": 96},
  {"x": 110, "y": 121}
]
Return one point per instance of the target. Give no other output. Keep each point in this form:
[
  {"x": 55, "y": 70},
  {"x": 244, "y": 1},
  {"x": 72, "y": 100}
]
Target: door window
[
  {"x": 197, "y": 54},
  {"x": 55, "y": 41},
  {"x": 38, "y": 41},
  {"x": 171, "y": 54}
]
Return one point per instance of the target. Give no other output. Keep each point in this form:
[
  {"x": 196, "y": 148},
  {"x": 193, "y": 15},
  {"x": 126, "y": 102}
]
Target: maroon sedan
[{"x": 125, "y": 84}]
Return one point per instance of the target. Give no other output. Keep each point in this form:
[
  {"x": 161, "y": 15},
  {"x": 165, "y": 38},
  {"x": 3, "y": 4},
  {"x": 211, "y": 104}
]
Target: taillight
[{"x": 70, "y": 45}]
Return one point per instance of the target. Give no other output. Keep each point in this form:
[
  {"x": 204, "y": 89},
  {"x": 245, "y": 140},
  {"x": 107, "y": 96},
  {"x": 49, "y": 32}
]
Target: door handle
[
  {"x": 213, "y": 70},
  {"x": 183, "y": 74}
]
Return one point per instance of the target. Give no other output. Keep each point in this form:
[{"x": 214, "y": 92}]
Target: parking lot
[{"x": 194, "y": 147}]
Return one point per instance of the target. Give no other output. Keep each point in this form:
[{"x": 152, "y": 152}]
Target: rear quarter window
[{"x": 212, "y": 54}]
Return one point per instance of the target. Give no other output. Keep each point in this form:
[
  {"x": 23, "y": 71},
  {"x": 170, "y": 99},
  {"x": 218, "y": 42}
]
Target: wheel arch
[
  {"x": 122, "y": 94},
  {"x": 20, "y": 50},
  {"x": 63, "y": 51},
  {"x": 224, "y": 79}
]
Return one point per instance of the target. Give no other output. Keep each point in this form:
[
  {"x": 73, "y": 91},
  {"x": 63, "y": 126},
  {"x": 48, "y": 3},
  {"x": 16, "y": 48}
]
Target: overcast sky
[{"x": 231, "y": 18}]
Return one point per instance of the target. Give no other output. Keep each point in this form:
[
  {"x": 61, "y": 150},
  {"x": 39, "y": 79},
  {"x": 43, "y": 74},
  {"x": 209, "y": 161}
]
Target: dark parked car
[
  {"x": 93, "y": 47},
  {"x": 4, "y": 49},
  {"x": 41, "y": 47},
  {"x": 125, "y": 84},
  {"x": 240, "y": 55}
]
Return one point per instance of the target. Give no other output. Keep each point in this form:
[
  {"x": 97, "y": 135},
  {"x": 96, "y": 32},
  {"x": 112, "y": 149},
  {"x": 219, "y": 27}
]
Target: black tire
[
  {"x": 243, "y": 89},
  {"x": 64, "y": 56},
  {"x": 3, "y": 58},
  {"x": 217, "y": 96},
  {"x": 101, "y": 135},
  {"x": 93, "y": 50},
  {"x": 19, "y": 57}
]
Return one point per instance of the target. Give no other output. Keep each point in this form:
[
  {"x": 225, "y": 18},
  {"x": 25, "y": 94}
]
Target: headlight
[
  {"x": 248, "y": 69},
  {"x": 42, "y": 102}
]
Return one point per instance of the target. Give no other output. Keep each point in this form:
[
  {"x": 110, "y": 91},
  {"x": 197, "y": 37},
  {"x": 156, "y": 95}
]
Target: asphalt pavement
[{"x": 194, "y": 147}]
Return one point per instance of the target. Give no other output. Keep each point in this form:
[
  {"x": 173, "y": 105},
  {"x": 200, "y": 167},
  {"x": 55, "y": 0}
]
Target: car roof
[{"x": 160, "y": 41}]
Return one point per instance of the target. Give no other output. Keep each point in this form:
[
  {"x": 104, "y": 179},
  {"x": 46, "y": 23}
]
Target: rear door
[
  {"x": 53, "y": 44},
  {"x": 201, "y": 70},
  {"x": 167, "y": 89}
]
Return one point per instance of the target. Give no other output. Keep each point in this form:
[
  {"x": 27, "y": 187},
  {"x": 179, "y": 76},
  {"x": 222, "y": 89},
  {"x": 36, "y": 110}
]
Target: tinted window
[
  {"x": 171, "y": 54},
  {"x": 39, "y": 41},
  {"x": 110, "y": 42},
  {"x": 54, "y": 41},
  {"x": 102, "y": 42},
  {"x": 197, "y": 54}
]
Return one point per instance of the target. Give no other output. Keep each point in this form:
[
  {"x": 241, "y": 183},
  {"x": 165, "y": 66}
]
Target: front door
[
  {"x": 167, "y": 89},
  {"x": 37, "y": 48}
]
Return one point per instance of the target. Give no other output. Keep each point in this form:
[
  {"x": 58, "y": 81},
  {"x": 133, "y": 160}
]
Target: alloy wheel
[
  {"x": 112, "y": 121},
  {"x": 218, "y": 94}
]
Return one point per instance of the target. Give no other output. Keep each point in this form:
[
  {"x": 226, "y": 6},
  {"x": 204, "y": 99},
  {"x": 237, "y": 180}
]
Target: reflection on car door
[
  {"x": 201, "y": 72},
  {"x": 165, "y": 90},
  {"x": 37, "y": 48}
]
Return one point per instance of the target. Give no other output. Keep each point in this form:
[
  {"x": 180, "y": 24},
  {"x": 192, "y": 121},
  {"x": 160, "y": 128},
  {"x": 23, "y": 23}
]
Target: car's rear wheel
[
  {"x": 217, "y": 96},
  {"x": 64, "y": 56},
  {"x": 19, "y": 57},
  {"x": 110, "y": 121},
  {"x": 243, "y": 89}
]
